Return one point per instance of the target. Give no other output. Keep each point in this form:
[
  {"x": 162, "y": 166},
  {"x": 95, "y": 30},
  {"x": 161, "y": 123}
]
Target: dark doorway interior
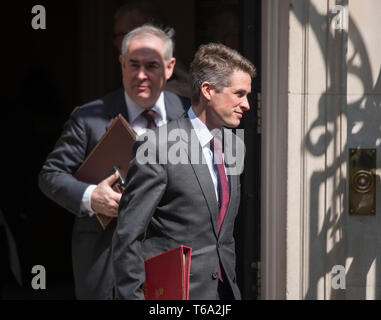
[
  {"x": 237, "y": 24},
  {"x": 46, "y": 73}
]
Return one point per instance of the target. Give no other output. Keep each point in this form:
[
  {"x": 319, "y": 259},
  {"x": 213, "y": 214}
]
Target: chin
[
  {"x": 142, "y": 99},
  {"x": 233, "y": 124},
  {"x": 143, "y": 95},
  {"x": 145, "y": 102}
]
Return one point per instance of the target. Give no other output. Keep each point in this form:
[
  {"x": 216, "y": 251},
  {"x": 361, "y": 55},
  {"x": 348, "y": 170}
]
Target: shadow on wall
[{"x": 341, "y": 239}]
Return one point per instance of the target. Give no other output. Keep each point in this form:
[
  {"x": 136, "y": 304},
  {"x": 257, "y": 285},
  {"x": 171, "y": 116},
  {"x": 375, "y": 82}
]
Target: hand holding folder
[{"x": 113, "y": 151}]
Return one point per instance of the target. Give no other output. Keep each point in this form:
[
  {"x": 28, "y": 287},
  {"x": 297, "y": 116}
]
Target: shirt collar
[
  {"x": 134, "y": 110},
  {"x": 203, "y": 133}
]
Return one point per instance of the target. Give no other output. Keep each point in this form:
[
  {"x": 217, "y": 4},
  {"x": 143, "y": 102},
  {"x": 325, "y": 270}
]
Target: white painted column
[{"x": 275, "y": 15}]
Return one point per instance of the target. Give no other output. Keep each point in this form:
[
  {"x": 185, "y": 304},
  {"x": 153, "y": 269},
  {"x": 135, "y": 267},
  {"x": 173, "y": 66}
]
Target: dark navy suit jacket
[{"x": 91, "y": 245}]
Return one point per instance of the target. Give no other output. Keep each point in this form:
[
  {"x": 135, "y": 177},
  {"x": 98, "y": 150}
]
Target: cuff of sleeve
[{"x": 86, "y": 200}]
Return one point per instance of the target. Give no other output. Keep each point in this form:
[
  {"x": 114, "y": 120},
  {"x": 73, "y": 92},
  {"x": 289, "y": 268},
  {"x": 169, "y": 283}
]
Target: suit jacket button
[{"x": 215, "y": 275}]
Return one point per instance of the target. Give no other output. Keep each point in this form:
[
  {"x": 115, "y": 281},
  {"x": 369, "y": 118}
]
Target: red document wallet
[
  {"x": 112, "y": 150},
  {"x": 167, "y": 275}
]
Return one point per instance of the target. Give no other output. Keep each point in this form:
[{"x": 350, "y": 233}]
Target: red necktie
[
  {"x": 223, "y": 186},
  {"x": 149, "y": 115}
]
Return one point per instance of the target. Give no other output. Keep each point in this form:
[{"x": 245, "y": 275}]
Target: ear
[
  {"x": 122, "y": 64},
  {"x": 207, "y": 90},
  {"x": 121, "y": 60},
  {"x": 169, "y": 68}
]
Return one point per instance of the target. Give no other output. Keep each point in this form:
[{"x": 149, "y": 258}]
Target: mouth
[
  {"x": 239, "y": 114},
  {"x": 142, "y": 87}
]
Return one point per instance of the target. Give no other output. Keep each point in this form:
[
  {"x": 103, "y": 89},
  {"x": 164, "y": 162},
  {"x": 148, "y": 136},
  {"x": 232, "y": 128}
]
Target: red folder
[
  {"x": 112, "y": 150},
  {"x": 167, "y": 275}
]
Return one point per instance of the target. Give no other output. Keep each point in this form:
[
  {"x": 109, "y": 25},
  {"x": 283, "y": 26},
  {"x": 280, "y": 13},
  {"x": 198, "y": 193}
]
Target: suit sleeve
[
  {"x": 145, "y": 188},
  {"x": 56, "y": 179}
]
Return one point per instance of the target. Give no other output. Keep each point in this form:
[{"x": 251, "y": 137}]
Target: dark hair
[{"x": 215, "y": 63}]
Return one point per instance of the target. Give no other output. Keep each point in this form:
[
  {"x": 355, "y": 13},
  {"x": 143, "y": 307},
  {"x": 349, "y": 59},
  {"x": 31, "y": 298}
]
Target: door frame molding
[{"x": 275, "y": 45}]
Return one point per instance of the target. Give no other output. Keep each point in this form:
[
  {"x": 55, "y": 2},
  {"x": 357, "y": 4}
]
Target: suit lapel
[
  {"x": 173, "y": 105},
  {"x": 202, "y": 174},
  {"x": 116, "y": 105},
  {"x": 232, "y": 202}
]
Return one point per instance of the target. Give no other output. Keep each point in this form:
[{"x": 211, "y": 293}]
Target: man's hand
[{"x": 104, "y": 199}]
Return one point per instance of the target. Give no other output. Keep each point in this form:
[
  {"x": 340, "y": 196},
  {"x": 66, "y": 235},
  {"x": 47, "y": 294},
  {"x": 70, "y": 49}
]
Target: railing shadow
[{"x": 338, "y": 238}]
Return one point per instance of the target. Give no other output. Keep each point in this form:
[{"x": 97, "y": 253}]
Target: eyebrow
[
  {"x": 148, "y": 62},
  {"x": 242, "y": 90}
]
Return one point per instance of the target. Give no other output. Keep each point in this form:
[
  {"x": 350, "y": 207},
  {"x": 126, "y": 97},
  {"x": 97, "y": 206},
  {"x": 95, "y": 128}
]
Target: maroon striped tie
[
  {"x": 149, "y": 115},
  {"x": 223, "y": 186}
]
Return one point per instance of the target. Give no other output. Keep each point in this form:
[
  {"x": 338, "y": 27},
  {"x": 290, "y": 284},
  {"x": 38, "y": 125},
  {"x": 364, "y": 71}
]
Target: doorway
[{"x": 49, "y": 72}]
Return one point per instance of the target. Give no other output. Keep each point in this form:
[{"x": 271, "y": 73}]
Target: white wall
[{"x": 334, "y": 104}]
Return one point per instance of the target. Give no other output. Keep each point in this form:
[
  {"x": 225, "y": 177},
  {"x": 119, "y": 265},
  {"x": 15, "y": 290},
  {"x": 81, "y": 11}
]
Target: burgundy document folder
[
  {"x": 112, "y": 150},
  {"x": 167, "y": 275}
]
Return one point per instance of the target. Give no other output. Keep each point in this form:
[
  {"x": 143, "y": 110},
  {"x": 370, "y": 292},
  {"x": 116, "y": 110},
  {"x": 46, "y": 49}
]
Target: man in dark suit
[
  {"x": 183, "y": 188},
  {"x": 147, "y": 63}
]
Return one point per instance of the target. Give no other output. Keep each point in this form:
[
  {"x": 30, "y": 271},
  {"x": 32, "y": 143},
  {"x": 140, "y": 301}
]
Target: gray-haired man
[{"x": 147, "y": 63}]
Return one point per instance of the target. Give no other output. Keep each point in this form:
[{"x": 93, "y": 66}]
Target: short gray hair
[
  {"x": 166, "y": 36},
  {"x": 215, "y": 63}
]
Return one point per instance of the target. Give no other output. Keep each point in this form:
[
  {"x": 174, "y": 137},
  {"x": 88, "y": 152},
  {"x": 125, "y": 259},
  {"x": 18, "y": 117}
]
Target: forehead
[
  {"x": 145, "y": 48},
  {"x": 240, "y": 80}
]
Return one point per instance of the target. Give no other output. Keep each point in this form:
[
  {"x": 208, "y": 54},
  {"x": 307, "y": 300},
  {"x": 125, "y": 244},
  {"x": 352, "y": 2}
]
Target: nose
[
  {"x": 142, "y": 74},
  {"x": 245, "y": 106}
]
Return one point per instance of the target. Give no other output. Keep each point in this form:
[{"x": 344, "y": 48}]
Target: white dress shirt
[
  {"x": 139, "y": 125},
  {"x": 204, "y": 136}
]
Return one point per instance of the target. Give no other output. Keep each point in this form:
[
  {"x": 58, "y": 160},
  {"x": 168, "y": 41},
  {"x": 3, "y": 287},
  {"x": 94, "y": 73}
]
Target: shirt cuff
[{"x": 86, "y": 200}]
